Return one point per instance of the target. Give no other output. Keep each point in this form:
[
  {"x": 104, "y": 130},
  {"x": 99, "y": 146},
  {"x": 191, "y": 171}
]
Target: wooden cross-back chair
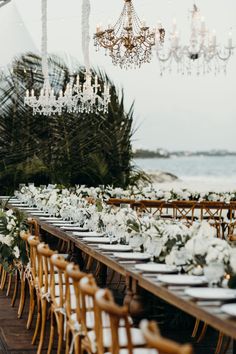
[
  {"x": 73, "y": 307},
  {"x": 43, "y": 291},
  {"x": 116, "y": 337},
  {"x": 33, "y": 280},
  {"x": 212, "y": 212},
  {"x": 162, "y": 345},
  {"x": 153, "y": 207},
  {"x": 184, "y": 211}
]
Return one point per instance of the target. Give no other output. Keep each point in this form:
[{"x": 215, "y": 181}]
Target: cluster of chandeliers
[{"x": 130, "y": 44}]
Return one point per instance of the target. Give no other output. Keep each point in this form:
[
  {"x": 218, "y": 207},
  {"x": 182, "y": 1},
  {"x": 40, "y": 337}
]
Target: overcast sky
[{"x": 171, "y": 112}]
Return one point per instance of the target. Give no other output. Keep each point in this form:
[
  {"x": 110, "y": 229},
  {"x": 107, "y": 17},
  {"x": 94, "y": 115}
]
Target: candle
[
  {"x": 97, "y": 28},
  {"x": 230, "y": 41},
  {"x": 27, "y": 93},
  {"x": 214, "y": 38},
  {"x": 143, "y": 23},
  {"x": 174, "y": 25},
  {"x": 32, "y": 92},
  {"x": 60, "y": 94},
  {"x": 203, "y": 24}
]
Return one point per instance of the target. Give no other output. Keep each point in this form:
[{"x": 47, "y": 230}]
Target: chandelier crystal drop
[
  {"x": 129, "y": 42},
  {"x": 201, "y": 55},
  {"x": 47, "y": 102}
]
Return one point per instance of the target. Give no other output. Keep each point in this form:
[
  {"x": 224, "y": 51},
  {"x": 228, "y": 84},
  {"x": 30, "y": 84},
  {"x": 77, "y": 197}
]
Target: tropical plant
[{"x": 68, "y": 149}]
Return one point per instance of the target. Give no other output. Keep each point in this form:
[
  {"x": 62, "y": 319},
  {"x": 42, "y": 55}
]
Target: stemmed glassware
[
  {"x": 214, "y": 273},
  {"x": 154, "y": 248},
  {"x": 135, "y": 242}
]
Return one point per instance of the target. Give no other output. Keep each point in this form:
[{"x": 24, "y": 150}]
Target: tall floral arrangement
[{"x": 12, "y": 247}]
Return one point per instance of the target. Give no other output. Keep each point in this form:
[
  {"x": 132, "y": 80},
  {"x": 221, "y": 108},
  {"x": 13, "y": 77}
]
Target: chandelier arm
[{"x": 224, "y": 58}]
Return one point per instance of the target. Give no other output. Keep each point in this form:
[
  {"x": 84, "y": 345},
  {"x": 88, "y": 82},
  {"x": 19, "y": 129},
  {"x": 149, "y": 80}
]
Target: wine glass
[
  {"x": 154, "y": 248},
  {"x": 214, "y": 272},
  {"x": 135, "y": 242}
]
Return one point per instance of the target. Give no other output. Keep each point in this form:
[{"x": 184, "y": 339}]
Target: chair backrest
[
  {"x": 24, "y": 235},
  {"x": 58, "y": 266},
  {"x": 154, "y": 340},
  {"x": 44, "y": 254},
  {"x": 73, "y": 276},
  {"x": 88, "y": 289},
  {"x": 104, "y": 303},
  {"x": 184, "y": 211},
  {"x": 33, "y": 226},
  {"x": 33, "y": 242}
]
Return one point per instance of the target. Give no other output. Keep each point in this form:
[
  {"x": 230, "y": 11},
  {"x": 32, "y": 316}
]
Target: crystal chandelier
[
  {"x": 46, "y": 103},
  {"x": 129, "y": 42},
  {"x": 201, "y": 55},
  {"x": 88, "y": 96}
]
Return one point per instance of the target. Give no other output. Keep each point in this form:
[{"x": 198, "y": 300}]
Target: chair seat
[
  {"x": 73, "y": 301},
  {"x": 137, "y": 351},
  {"x": 57, "y": 290},
  {"x": 90, "y": 320},
  {"x": 136, "y": 337}
]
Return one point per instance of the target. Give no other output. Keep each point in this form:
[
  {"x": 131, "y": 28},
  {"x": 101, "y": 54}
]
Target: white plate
[
  {"x": 87, "y": 234},
  {"x": 38, "y": 213},
  {"x": 96, "y": 239},
  {"x": 230, "y": 309},
  {"x": 156, "y": 268},
  {"x": 71, "y": 228},
  {"x": 18, "y": 205},
  {"x": 50, "y": 218},
  {"x": 179, "y": 279},
  {"x": 211, "y": 293},
  {"x": 132, "y": 255},
  {"x": 119, "y": 248}
]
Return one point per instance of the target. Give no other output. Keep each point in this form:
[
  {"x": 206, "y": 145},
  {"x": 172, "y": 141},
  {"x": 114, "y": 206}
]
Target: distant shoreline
[{"x": 164, "y": 154}]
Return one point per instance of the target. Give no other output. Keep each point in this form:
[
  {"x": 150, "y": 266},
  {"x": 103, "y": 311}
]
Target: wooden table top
[{"x": 211, "y": 314}]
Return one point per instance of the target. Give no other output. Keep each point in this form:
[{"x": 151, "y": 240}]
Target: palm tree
[{"x": 72, "y": 148}]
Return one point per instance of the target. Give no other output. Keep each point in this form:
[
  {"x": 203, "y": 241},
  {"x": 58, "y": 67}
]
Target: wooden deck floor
[{"x": 14, "y": 337}]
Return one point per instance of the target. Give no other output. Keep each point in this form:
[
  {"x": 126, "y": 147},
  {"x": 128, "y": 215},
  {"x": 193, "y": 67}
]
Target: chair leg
[
  {"x": 22, "y": 296},
  {"x": 9, "y": 284},
  {"x": 60, "y": 332},
  {"x": 43, "y": 323},
  {"x": 67, "y": 340},
  {"x": 195, "y": 329},
  {"x": 219, "y": 343},
  {"x": 203, "y": 332},
  {"x": 31, "y": 307},
  {"x": 3, "y": 279},
  {"x": 37, "y": 321},
  {"x": 13, "y": 300},
  {"x": 52, "y": 330}
]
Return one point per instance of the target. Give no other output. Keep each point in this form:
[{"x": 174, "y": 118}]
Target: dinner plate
[
  {"x": 230, "y": 309},
  {"x": 97, "y": 239},
  {"x": 19, "y": 205},
  {"x": 180, "y": 279},
  {"x": 60, "y": 222},
  {"x": 156, "y": 268},
  {"x": 38, "y": 213},
  {"x": 119, "y": 248},
  {"x": 50, "y": 218},
  {"x": 88, "y": 234},
  {"x": 71, "y": 228},
  {"x": 132, "y": 255},
  {"x": 211, "y": 293}
]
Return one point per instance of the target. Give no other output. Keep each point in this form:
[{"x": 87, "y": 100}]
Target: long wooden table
[{"x": 172, "y": 294}]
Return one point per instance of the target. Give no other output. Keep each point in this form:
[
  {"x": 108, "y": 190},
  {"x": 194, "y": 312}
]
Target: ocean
[{"x": 216, "y": 173}]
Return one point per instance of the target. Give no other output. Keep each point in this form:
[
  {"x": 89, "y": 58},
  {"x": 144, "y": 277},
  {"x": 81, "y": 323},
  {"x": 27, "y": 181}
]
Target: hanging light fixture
[
  {"x": 87, "y": 96},
  {"x": 201, "y": 55},
  {"x": 129, "y": 42},
  {"x": 47, "y": 102}
]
